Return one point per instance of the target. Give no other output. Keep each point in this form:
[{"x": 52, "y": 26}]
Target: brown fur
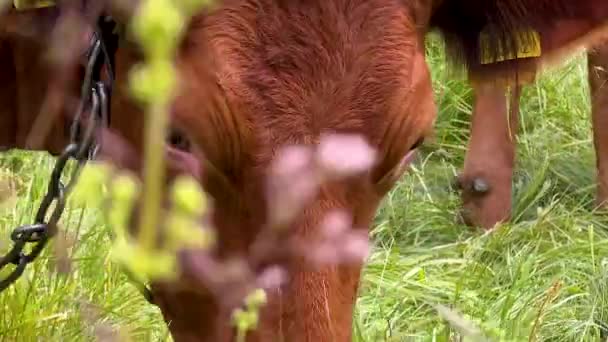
[
  {"x": 258, "y": 75},
  {"x": 598, "y": 80},
  {"x": 19, "y": 97},
  {"x": 490, "y": 156},
  {"x": 563, "y": 25},
  {"x": 27, "y": 75},
  {"x": 269, "y": 74}
]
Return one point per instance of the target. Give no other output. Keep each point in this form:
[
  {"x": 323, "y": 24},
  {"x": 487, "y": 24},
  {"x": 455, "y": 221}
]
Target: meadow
[{"x": 541, "y": 277}]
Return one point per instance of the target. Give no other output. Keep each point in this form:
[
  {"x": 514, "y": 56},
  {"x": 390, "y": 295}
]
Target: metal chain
[{"x": 82, "y": 147}]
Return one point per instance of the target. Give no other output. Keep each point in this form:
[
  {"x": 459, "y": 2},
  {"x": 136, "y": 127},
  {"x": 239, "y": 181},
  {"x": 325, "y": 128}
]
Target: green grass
[{"x": 544, "y": 274}]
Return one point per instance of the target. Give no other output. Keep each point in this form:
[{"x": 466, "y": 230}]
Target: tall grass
[{"x": 542, "y": 277}]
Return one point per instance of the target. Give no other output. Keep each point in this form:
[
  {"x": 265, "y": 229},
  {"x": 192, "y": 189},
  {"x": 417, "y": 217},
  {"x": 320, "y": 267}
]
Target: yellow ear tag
[
  {"x": 23, "y": 5},
  {"x": 531, "y": 48}
]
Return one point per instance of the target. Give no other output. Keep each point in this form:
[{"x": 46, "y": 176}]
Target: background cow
[{"x": 486, "y": 179}]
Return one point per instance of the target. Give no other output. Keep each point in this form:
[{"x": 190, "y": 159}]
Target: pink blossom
[
  {"x": 336, "y": 223},
  {"x": 343, "y": 155}
]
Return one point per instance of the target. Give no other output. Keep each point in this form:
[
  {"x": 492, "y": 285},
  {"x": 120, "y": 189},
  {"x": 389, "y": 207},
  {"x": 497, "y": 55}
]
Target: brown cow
[
  {"x": 258, "y": 75},
  {"x": 280, "y": 72},
  {"x": 486, "y": 179},
  {"x": 25, "y": 77}
]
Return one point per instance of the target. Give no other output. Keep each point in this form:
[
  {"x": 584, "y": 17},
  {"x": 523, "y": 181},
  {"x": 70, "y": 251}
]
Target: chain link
[{"x": 82, "y": 147}]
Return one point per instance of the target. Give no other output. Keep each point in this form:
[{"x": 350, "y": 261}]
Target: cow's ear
[
  {"x": 494, "y": 38},
  {"x": 393, "y": 175}
]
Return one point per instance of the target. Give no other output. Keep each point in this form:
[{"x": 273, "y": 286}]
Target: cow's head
[
  {"x": 264, "y": 86},
  {"x": 258, "y": 76}
]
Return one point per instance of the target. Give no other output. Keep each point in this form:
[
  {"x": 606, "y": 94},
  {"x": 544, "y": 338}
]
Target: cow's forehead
[{"x": 294, "y": 61}]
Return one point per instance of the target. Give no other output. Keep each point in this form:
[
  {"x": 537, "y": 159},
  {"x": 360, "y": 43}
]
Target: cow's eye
[
  {"x": 178, "y": 140},
  {"x": 417, "y": 144}
]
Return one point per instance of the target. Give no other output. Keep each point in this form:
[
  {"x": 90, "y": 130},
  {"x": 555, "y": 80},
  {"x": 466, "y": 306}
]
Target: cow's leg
[
  {"x": 486, "y": 180},
  {"x": 598, "y": 79},
  {"x": 8, "y": 115}
]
